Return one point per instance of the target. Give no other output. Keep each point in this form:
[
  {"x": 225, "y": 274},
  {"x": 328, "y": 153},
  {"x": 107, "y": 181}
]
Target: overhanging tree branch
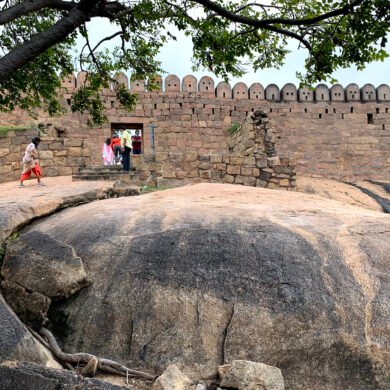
[
  {"x": 39, "y": 43},
  {"x": 263, "y": 23},
  {"x": 26, "y": 7}
]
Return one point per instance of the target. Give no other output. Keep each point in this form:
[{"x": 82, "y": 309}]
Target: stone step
[
  {"x": 113, "y": 173},
  {"x": 100, "y": 177},
  {"x": 99, "y": 168}
]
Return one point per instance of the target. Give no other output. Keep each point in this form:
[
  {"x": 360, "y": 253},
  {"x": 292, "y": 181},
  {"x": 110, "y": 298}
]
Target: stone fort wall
[{"x": 336, "y": 132}]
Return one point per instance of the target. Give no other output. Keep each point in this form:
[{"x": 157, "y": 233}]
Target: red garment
[
  {"x": 115, "y": 142},
  {"x": 36, "y": 171},
  {"x": 136, "y": 141}
]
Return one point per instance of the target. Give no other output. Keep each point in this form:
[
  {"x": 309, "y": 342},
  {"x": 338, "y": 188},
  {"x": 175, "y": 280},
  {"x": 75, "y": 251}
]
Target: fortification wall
[{"x": 335, "y": 132}]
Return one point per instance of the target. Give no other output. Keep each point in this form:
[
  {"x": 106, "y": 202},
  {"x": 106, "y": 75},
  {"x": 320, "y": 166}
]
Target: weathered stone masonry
[{"x": 337, "y": 133}]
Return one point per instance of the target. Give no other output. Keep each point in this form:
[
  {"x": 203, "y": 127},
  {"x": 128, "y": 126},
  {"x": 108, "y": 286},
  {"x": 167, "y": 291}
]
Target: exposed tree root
[{"x": 104, "y": 365}]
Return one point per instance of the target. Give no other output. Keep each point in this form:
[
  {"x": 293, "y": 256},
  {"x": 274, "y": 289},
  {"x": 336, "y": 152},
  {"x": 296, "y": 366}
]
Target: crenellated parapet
[{"x": 240, "y": 91}]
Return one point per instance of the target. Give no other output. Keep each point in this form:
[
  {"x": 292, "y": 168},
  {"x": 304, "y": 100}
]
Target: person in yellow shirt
[{"x": 126, "y": 149}]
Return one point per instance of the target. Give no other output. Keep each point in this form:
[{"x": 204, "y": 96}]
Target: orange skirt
[{"x": 36, "y": 171}]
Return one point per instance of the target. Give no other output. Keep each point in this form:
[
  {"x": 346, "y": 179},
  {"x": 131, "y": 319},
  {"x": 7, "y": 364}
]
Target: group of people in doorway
[
  {"x": 118, "y": 149},
  {"x": 115, "y": 151}
]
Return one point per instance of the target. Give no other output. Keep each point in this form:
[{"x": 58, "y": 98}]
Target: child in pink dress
[{"x": 107, "y": 153}]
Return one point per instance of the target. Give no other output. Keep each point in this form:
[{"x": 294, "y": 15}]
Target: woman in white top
[{"x": 30, "y": 165}]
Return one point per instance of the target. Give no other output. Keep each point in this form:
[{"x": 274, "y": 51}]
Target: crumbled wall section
[{"x": 254, "y": 157}]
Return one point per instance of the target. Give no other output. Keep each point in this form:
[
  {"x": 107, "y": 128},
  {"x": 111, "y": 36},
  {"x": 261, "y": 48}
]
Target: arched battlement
[
  {"x": 322, "y": 93},
  {"x": 272, "y": 92},
  {"x": 206, "y": 85},
  {"x": 289, "y": 92},
  {"x": 121, "y": 78},
  {"x": 189, "y": 84},
  {"x": 156, "y": 81},
  {"x": 172, "y": 83},
  {"x": 337, "y": 93},
  {"x": 240, "y": 91},
  {"x": 256, "y": 92},
  {"x": 305, "y": 94},
  {"x": 352, "y": 92},
  {"x": 223, "y": 90},
  {"x": 81, "y": 77},
  {"x": 383, "y": 93},
  {"x": 69, "y": 82},
  {"x": 137, "y": 85},
  {"x": 368, "y": 93}
]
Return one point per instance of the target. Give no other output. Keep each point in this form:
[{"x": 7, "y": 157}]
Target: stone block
[
  {"x": 255, "y": 172},
  {"x": 204, "y": 157},
  {"x": 60, "y": 161},
  {"x": 75, "y": 152},
  {"x": 236, "y": 160},
  {"x": 74, "y": 142},
  {"x": 233, "y": 169},
  {"x": 50, "y": 171},
  {"x": 64, "y": 171},
  {"x": 250, "y": 181},
  {"x": 216, "y": 158},
  {"x": 16, "y": 165},
  {"x": 284, "y": 183},
  {"x": 273, "y": 161},
  {"x": 161, "y": 156},
  {"x": 76, "y": 161},
  {"x": 246, "y": 171},
  {"x": 60, "y": 153},
  {"x": 261, "y": 183},
  {"x": 221, "y": 167},
  {"x": 282, "y": 169},
  {"x": 249, "y": 161},
  {"x": 46, "y": 155},
  {"x": 55, "y": 146},
  {"x": 265, "y": 176},
  {"x": 176, "y": 157},
  {"x": 228, "y": 179},
  {"x": 190, "y": 157},
  {"x": 46, "y": 163},
  {"x": 239, "y": 179},
  {"x": 204, "y": 165},
  {"x": 205, "y": 174},
  {"x": 4, "y": 152},
  {"x": 5, "y": 168}
]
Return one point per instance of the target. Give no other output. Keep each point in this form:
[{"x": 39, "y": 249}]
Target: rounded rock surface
[{"x": 206, "y": 274}]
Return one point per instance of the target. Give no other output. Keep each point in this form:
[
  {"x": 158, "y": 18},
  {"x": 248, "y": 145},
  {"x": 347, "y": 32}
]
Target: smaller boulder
[
  {"x": 172, "y": 379},
  {"x": 246, "y": 375},
  {"x": 223, "y": 370},
  {"x": 31, "y": 308},
  {"x": 42, "y": 264}
]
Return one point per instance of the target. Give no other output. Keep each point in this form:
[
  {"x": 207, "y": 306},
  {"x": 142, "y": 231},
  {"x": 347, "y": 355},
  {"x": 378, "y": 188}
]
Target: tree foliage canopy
[{"x": 38, "y": 37}]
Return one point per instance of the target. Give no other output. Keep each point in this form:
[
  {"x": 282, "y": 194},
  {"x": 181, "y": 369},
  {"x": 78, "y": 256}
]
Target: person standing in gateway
[
  {"x": 137, "y": 142},
  {"x": 126, "y": 149}
]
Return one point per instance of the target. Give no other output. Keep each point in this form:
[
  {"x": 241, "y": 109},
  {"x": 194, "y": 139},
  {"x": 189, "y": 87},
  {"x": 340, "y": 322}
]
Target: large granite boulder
[{"x": 206, "y": 274}]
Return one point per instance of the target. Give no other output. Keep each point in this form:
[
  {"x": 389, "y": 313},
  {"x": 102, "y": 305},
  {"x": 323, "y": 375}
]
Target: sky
[{"x": 176, "y": 59}]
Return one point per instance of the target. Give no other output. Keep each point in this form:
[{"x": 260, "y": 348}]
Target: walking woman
[
  {"x": 107, "y": 153},
  {"x": 29, "y": 163}
]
